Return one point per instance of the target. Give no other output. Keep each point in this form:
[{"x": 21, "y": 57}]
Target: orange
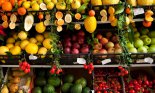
[
  {"x": 127, "y": 10},
  {"x": 12, "y": 2},
  {"x": 147, "y": 23},
  {"x": 78, "y": 16},
  {"x": 20, "y": 2},
  {"x": 4, "y": 18},
  {"x": 40, "y": 16},
  {"x": 59, "y": 15},
  {"x": 1, "y": 2},
  {"x": 91, "y": 13},
  {"x": 21, "y": 11},
  {"x": 6, "y": 6}
]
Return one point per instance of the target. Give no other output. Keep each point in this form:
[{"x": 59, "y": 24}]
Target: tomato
[
  {"x": 25, "y": 63},
  {"x": 85, "y": 66},
  {"x": 28, "y": 66},
  {"x": 126, "y": 72},
  {"x": 99, "y": 91},
  {"x": 146, "y": 82},
  {"x": 52, "y": 71},
  {"x": 20, "y": 64},
  {"x": 120, "y": 67},
  {"x": 105, "y": 91},
  {"x": 131, "y": 91},
  {"x": 91, "y": 13},
  {"x": 23, "y": 67},
  {"x": 26, "y": 70}
]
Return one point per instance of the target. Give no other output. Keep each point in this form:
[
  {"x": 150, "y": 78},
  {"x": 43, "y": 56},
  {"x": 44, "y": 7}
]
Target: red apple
[
  {"x": 67, "y": 50},
  {"x": 75, "y": 51},
  {"x": 108, "y": 35},
  {"x": 67, "y": 44},
  {"x": 76, "y": 45},
  {"x": 103, "y": 51},
  {"x": 74, "y": 38},
  {"x": 81, "y": 40},
  {"x": 67, "y": 39},
  {"x": 117, "y": 45},
  {"x": 81, "y": 33},
  {"x": 109, "y": 45},
  {"x": 85, "y": 45},
  {"x": 98, "y": 46},
  {"x": 95, "y": 51},
  {"x": 111, "y": 50},
  {"x": 84, "y": 50},
  {"x": 115, "y": 39}
]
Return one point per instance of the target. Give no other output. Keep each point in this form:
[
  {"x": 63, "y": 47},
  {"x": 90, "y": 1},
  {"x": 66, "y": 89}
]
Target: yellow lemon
[
  {"x": 39, "y": 37},
  {"x": 33, "y": 40},
  {"x": 40, "y": 27},
  {"x": 16, "y": 50},
  {"x": 23, "y": 44},
  {"x": 9, "y": 45},
  {"x": 31, "y": 48},
  {"x": 22, "y": 35},
  {"x": 3, "y": 50},
  {"x": 15, "y": 36},
  {"x": 47, "y": 43},
  {"x": 17, "y": 43},
  {"x": 42, "y": 51},
  {"x": 10, "y": 40}
]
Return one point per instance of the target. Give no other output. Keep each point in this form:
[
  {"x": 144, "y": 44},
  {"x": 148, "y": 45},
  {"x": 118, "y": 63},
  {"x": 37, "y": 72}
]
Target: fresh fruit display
[
  {"x": 140, "y": 82},
  {"x": 143, "y": 42},
  {"x": 75, "y": 43},
  {"x": 107, "y": 82},
  {"x": 107, "y": 43},
  {"x": 89, "y": 67},
  {"x": 17, "y": 80}
]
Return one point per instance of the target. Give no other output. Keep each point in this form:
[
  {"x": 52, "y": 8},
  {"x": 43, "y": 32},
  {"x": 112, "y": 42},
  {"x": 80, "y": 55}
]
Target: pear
[{"x": 75, "y": 4}]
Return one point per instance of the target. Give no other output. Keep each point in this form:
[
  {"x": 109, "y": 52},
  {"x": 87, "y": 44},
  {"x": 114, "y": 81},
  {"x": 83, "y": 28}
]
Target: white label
[
  {"x": 81, "y": 61},
  {"x": 148, "y": 60},
  {"x": 92, "y": 91},
  {"x": 106, "y": 61},
  {"x": 138, "y": 11},
  {"x": 32, "y": 57}
]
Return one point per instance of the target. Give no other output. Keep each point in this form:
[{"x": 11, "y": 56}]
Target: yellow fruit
[
  {"x": 109, "y": 2},
  {"x": 16, "y": 50},
  {"x": 5, "y": 89},
  {"x": 103, "y": 12},
  {"x": 22, "y": 35},
  {"x": 10, "y": 40},
  {"x": 50, "y": 5},
  {"x": 153, "y": 2},
  {"x": 132, "y": 2},
  {"x": 47, "y": 43},
  {"x": 111, "y": 10},
  {"x": 40, "y": 27},
  {"x": 15, "y": 36},
  {"x": 46, "y": 34},
  {"x": 90, "y": 24},
  {"x": 3, "y": 50},
  {"x": 114, "y": 22},
  {"x": 31, "y": 48},
  {"x": 144, "y": 2},
  {"x": 33, "y": 40},
  {"x": 9, "y": 45},
  {"x": 54, "y": 1},
  {"x": 23, "y": 44},
  {"x": 96, "y": 2},
  {"x": 75, "y": 4},
  {"x": 61, "y": 5},
  {"x": 42, "y": 51},
  {"x": 39, "y": 37},
  {"x": 26, "y": 4},
  {"x": 35, "y": 7},
  {"x": 111, "y": 18},
  {"x": 127, "y": 21},
  {"x": 17, "y": 43}
]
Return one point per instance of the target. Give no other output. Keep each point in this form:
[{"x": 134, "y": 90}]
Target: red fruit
[
  {"x": 58, "y": 71},
  {"x": 99, "y": 36},
  {"x": 52, "y": 71},
  {"x": 23, "y": 67},
  {"x": 20, "y": 64},
  {"x": 67, "y": 44},
  {"x": 99, "y": 92},
  {"x": 137, "y": 88},
  {"x": 75, "y": 51},
  {"x": 74, "y": 38},
  {"x": 26, "y": 70},
  {"x": 67, "y": 50},
  {"x": 146, "y": 82},
  {"x": 85, "y": 66},
  {"x": 135, "y": 82},
  {"x": 120, "y": 67},
  {"x": 81, "y": 33},
  {"x": 90, "y": 72},
  {"x": 76, "y": 45},
  {"x": 105, "y": 91},
  {"x": 91, "y": 13},
  {"x": 81, "y": 40},
  {"x": 131, "y": 91}
]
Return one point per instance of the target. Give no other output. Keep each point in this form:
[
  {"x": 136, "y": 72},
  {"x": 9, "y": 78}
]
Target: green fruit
[
  {"x": 81, "y": 81},
  {"x": 151, "y": 49},
  {"x": 54, "y": 81},
  {"x": 48, "y": 89},
  {"x": 76, "y": 88},
  {"x": 146, "y": 47},
  {"x": 86, "y": 90},
  {"x": 66, "y": 87},
  {"x": 129, "y": 45},
  {"x": 132, "y": 50},
  {"x": 152, "y": 34},
  {"x": 138, "y": 43},
  {"x": 69, "y": 78},
  {"x": 143, "y": 36},
  {"x": 147, "y": 41},
  {"x": 142, "y": 49},
  {"x": 40, "y": 81},
  {"x": 37, "y": 90},
  {"x": 136, "y": 35},
  {"x": 152, "y": 41}
]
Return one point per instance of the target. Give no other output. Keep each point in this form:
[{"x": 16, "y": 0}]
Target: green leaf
[
  {"x": 82, "y": 7},
  {"x": 83, "y": 17},
  {"x": 119, "y": 9}
]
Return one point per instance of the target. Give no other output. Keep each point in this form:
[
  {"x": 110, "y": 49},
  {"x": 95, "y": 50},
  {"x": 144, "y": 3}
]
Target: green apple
[
  {"x": 142, "y": 49},
  {"x": 152, "y": 41},
  {"x": 143, "y": 36},
  {"x": 151, "y": 34},
  {"x": 50, "y": 5},
  {"x": 146, "y": 40},
  {"x": 132, "y": 50},
  {"x": 151, "y": 49},
  {"x": 146, "y": 47},
  {"x": 136, "y": 34},
  {"x": 138, "y": 43},
  {"x": 144, "y": 31},
  {"x": 152, "y": 46},
  {"x": 26, "y": 4},
  {"x": 129, "y": 45}
]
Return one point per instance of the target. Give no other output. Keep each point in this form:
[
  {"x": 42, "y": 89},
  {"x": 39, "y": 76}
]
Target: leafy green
[{"x": 82, "y": 7}]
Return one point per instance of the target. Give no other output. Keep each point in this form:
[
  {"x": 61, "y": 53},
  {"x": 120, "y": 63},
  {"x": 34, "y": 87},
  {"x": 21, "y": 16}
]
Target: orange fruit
[
  {"x": 7, "y": 6},
  {"x": 60, "y": 22},
  {"x": 20, "y": 2},
  {"x": 21, "y": 11},
  {"x": 59, "y": 15},
  {"x": 13, "y": 2},
  {"x": 40, "y": 16},
  {"x": 78, "y": 16},
  {"x": 147, "y": 23},
  {"x": 91, "y": 13},
  {"x": 1, "y": 2},
  {"x": 4, "y": 17},
  {"x": 5, "y": 24},
  {"x": 127, "y": 10}
]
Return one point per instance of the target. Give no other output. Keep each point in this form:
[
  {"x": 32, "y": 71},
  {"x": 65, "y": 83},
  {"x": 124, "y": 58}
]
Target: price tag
[
  {"x": 81, "y": 61},
  {"x": 138, "y": 11},
  {"x": 92, "y": 91},
  {"x": 148, "y": 60},
  {"x": 32, "y": 57},
  {"x": 106, "y": 61}
]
